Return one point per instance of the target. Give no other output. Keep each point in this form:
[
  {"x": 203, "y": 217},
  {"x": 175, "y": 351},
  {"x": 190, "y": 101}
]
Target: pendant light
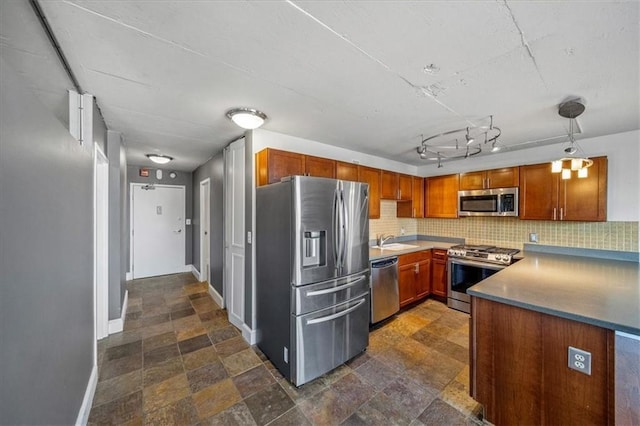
[{"x": 571, "y": 109}]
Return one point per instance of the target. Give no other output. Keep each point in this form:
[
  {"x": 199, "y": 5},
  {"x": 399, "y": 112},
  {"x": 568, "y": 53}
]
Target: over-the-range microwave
[{"x": 488, "y": 202}]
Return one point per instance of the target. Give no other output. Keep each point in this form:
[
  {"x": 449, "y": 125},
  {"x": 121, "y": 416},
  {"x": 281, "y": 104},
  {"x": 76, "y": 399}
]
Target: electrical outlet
[
  {"x": 533, "y": 237},
  {"x": 401, "y": 231},
  {"x": 580, "y": 360}
]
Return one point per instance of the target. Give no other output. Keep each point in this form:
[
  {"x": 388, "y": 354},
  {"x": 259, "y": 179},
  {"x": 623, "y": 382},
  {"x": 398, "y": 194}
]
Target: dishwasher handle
[{"x": 384, "y": 263}]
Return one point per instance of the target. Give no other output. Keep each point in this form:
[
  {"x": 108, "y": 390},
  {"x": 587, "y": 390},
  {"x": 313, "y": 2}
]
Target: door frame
[
  {"x": 131, "y": 212},
  {"x": 100, "y": 243},
  {"x": 205, "y": 212}
]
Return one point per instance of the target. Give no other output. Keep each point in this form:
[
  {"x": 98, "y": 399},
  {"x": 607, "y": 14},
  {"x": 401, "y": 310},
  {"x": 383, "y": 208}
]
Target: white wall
[{"x": 622, "y": 150}]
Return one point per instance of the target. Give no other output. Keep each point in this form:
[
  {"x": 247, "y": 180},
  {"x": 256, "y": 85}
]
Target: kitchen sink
[{"x": 395, "y": 246}]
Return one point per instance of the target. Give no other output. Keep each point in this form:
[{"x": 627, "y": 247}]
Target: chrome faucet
[{"x": 381, "y": 239}]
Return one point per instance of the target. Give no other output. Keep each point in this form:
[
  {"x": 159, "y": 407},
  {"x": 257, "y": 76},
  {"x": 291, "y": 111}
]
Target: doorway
[
  {"x": 158, "y": 230},
  {"x": 205, "y": 219},
  {"x": 101, "y": 242}
]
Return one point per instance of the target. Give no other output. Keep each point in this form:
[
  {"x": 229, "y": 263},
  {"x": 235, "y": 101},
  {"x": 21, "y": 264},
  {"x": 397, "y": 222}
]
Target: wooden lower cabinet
[
  {"x": 414, "y": 276},
  {"x": 520, "y": 373},
  {"x": 439, "y": 273}
]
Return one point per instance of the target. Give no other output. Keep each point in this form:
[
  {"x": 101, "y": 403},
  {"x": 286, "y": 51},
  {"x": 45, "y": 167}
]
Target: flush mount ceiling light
[
  {"x": 460, "y": 143},
  {"x": 159, "y": 158},
  {"x": 572, "y": 109},
  {"x": 247, "y": 118}
]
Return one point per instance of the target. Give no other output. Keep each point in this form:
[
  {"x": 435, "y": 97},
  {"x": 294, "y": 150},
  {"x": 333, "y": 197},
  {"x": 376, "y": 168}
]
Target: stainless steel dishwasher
[{"x": 385, "y": 300}]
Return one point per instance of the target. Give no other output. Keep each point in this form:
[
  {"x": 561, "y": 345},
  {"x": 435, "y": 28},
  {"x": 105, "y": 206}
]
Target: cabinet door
[
  {"x": 319, "y": 167},
  {"x": 389, "y": 185},
  {"x": 404, "y": 187},
  {"x": 538, "y": 192},
  {"x": 346, "y": 171},
  {"x": 472, "y": 180},
  {"x": 441, "y": 196},
  {"x": 407, "y": 278},
  {"x": 372, "y": 177},
  {"x": 414, "y": 207},
  {"x": 439, "y": 277},
  {"x": 507, "y": 177},
  {"x": 272, "y": 165},
  {"x": 423, "y": 279},
  {"x": 585, "y": 199}
]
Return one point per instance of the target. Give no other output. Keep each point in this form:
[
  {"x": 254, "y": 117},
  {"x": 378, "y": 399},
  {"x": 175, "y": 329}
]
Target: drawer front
[
  {"x": 415, "y": 257},
  {"x": 309, "y": 298},
  {"x": 439, "y": 254}
]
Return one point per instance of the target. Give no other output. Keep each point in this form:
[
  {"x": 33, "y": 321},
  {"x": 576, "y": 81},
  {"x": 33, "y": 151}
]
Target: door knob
[{"x": 178, "y": 231}]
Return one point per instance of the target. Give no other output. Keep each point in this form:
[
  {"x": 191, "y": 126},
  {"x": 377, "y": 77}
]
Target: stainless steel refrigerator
[{"x": 312, "y": 274}]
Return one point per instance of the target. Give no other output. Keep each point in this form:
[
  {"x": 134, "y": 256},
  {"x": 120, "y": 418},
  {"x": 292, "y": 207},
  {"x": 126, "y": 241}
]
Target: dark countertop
[
  {"x": 377, "y": 254},
  {"x": 601, "y": 292}
]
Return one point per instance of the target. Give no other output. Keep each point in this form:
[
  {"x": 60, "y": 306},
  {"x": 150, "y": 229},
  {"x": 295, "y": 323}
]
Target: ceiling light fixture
[
  {"x": 460, "y": 143},
  {"x": 247, "y": 118},
  {"x": 572, "y": 109},
  {"x": 159, "y": 158}
]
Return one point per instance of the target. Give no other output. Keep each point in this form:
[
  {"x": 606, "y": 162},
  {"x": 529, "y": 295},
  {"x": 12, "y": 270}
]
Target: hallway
[{"x": 179, "y": 361}]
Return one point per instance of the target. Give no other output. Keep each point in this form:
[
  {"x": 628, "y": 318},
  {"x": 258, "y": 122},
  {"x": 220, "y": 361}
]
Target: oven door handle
[{"x": 485, "y": 265}]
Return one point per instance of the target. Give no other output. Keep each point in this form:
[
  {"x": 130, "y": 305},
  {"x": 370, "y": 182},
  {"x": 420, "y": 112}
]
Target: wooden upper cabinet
[
  {"x": 546, "y": 196},
  {"x": 389, "y": 185},
  {"x": 272, "y": 165},
  {"x": 486, "y": 179},
  {"x": 372, "y": 177},
  {"x": 346, "y": 171},
  {"x": 405, "y": 184},
  {"x": 585, "y": 199},
  {"x": 441, "y": 196},
  {"x": 319, "y": 167},
  {"x": 415, "y": 206}
]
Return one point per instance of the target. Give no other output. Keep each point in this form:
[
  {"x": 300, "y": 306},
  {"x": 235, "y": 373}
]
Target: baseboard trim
[
  {"x": 87, "y": 401},
  {"x": 216, "y": 296},
  {"x": 248, "y": 334},
  {"x": 128, "y": 276},
  {"x": 195, "y": 273},
  {"x": 117, "y": 325},
  {"x": 187, "y": 268}
]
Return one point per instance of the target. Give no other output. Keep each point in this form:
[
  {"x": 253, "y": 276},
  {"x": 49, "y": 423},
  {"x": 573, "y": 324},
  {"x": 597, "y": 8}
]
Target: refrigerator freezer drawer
[
  {"x": 327, "y": 338},
  {"x": 322, "y": 295}
]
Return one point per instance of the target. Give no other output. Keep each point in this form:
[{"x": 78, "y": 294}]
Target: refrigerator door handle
[
  {"x": 338, "y": 315},
  {"x": 336, "y": 229},
  {"x": 336, "y": 289},
  {"x": 344, "y": 225}
]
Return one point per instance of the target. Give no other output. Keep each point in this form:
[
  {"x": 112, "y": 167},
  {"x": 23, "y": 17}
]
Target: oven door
[{"x": 463, "y": 274}]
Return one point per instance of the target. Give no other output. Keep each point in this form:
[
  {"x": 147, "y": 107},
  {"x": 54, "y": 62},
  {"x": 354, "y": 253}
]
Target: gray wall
[
  {"x": 118, "y": 234},
  {"x": 214, "y": 170},
  {"x": 182, "y": 178},
  {"x": 99, "y": 128},
  {"x": 46, "y": 261}
]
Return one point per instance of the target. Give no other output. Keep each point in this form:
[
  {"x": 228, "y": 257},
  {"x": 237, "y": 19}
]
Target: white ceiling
[{"x": 349, "y": 74}]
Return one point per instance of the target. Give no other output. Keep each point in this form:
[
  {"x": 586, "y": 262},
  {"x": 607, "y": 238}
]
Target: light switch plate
[{"x": 533, "y": 237}]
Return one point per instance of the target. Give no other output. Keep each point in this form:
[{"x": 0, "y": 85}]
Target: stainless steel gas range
[{"x": 470, "y": 264}]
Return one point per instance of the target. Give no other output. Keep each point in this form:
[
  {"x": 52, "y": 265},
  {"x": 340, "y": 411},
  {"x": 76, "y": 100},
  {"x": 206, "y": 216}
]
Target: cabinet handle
[
  {"x": 554, "y": 213},
  {"x": 416, "y": 269},
  {"x": 561, "y": 213}
]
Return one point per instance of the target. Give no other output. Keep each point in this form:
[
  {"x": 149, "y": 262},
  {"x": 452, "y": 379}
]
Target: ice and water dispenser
[{"x": 314, "y": 248}]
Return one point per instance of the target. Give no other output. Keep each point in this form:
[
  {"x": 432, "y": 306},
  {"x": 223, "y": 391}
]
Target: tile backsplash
[{"x": 512, "y": 232}]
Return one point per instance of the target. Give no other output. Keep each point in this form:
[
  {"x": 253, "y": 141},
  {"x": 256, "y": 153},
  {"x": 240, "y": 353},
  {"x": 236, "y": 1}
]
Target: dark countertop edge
[
  {"x": 627, "y": 256},
  {"x": 562, "y": 314},
  {"x": 430, "y": 244}
]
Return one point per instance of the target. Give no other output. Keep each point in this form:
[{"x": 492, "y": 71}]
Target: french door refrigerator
[{"x": 312, "y": 274}]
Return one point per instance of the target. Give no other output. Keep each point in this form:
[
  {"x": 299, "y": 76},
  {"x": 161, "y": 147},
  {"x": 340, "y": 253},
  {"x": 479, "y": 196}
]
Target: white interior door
[
  {"x": 234, "y": 232},
  {"x": 101, "y": 243},
  {"x": 205, "y": 209},
  {"x": 158, "y": 233}
]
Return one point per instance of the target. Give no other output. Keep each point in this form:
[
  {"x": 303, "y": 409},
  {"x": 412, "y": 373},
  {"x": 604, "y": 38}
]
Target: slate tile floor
[{"x": 179, "y": 361}]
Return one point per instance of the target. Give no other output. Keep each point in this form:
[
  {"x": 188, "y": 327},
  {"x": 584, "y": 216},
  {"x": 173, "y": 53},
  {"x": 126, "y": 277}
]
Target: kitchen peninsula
[{"x": 523, "y": 322}]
